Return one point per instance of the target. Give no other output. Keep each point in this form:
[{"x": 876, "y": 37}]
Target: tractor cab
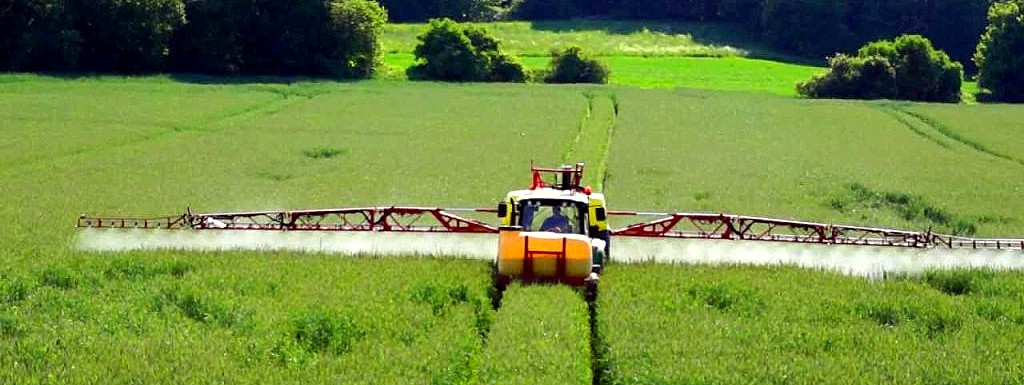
[{"x": 556, "y": 230}]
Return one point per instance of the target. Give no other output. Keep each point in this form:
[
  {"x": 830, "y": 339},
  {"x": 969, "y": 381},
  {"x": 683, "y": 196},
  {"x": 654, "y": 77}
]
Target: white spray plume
[
  {"x": 475, "y": 246},
  {"x": 866, "y": 261}
]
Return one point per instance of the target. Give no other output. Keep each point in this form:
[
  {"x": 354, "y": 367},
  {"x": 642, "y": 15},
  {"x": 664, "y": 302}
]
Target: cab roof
[{"x": 550, "y": 193}]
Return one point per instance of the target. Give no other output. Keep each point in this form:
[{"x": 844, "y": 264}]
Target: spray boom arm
[{"x": 665, "y": 225}]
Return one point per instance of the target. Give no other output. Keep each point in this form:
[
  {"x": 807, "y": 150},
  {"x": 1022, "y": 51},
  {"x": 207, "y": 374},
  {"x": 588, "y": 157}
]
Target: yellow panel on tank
[{"x": 544, "y": 248}]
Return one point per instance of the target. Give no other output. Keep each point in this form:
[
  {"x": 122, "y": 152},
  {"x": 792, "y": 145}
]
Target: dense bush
[
  {"x": 1000, "y": 54},
  {"x": 905, "y": 68},
  {"x": 453, "y": 52},
  {"x": 421, "y": 10},
  {"x": 572, "y": 66},
  {"x": 852, "y": 77},
  {"x": 304, "y": 37},
  {"x": 922, "y": 72}
]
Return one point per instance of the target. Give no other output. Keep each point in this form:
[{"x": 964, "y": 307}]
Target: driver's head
[{"x": 556, "y": 210}]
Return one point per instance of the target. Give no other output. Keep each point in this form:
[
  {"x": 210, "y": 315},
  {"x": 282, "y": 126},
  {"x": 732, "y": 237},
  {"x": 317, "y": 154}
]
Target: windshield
[{"x": 551, "y": 215}]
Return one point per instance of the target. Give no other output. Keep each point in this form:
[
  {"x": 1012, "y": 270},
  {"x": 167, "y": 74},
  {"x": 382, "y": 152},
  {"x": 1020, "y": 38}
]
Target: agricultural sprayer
[{"x": 556, "y": 230}]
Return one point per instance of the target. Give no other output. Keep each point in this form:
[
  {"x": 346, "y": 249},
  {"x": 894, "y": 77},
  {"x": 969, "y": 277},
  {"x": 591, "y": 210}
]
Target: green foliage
[
  {"x": 816, "y": 325},
  {"x": 13, "y": 289},
  {"x": 309, "y": 37},
  {"x": 905, "y": 68},
  {"x": 958, "y": 282},
  {"x": 139, "y": 270},
  {"x": 85, "y": 35},
  {"x": 38, "y": 35},
  {"x": 126, "y": 36},
  {"x": 871, "y": 77},
  {"x": 807, "y": 27},
  {"x": 452, "y": 52},
  {"x": 10, "y": 327},
  {"x": 922, "y": 72},
  {"x": 541, "y": 336},
  {"x": 323, "y": 153},
  {"x": 422, "y": 10},
  {"x": 1000, "y": 53},
  {"x": 60, "y": 278},
  {"x": 200, "y": 308},
  {"x": 572, "y": 66},
  {"x": 545, "y": 9},
  {"x": 322, "y": 331},
  {"x": 911, "y": 208},
  {"x": 356, "y": 26}
]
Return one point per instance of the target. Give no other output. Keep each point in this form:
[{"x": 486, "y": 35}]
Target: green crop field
[
  {"x": 860, "y": 162},
  {"x": 667, "y": 325},
  {"x": 156, "y": 145}
]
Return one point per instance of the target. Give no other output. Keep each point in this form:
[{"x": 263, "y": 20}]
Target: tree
[
  {"x": 450, "y": 52},
  {"x": 421, "y": 10},
  {"x": 807, "y": 27},
  {"x": 125, "y": 35},
  {"x": 337, "y": 38},
  {"x": 1000, "y": 53},
  {"x": 356, "y": 26},
  {"x": 37, "y": 36}
]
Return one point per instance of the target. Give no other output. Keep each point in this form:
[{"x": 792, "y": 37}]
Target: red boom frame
[
  {"x": 738, "y": 227},
  {"x": 410, "y": 219}
]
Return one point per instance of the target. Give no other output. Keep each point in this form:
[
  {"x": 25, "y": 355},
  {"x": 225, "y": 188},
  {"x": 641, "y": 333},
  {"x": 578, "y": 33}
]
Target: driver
[{"x": 556, "y": 222}]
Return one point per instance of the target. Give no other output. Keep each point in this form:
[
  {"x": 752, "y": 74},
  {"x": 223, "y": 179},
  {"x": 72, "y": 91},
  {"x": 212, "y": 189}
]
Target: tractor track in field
[
  {"x": 932, "y": 128},
  {"x": 607, "y": 148},
  {"x": 592, "y": 141},
  {"x": 581, "y": 125},
  {"x": 207, "y": 126}
]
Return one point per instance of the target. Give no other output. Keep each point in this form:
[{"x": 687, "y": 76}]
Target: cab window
[{"x": 553, "y": 216}]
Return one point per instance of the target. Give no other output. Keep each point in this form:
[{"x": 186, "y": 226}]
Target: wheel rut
[{"x": 938, "y": 133}]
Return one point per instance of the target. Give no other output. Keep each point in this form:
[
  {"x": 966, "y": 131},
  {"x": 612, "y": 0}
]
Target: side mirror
[
  {"x": 502, "y": 210},
  {"x": 600, "y": 214}
]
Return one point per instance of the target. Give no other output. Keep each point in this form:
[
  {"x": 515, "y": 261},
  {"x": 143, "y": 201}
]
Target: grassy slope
[
  {"x": 641, "y": 54},
  {"x": 740, "y": 325},
  {"x": 693, "y": 150},
  {"x": 603, "y": 38}
]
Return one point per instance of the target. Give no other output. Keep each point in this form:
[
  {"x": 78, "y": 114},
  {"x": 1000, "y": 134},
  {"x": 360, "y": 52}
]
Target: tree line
[
  {"x": 339, "y": 38},
  {"x": 333, "y": 38}
]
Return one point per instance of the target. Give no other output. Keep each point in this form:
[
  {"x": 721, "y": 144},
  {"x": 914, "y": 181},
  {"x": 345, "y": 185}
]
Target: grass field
[
  {"x": 639, "y": 54},
  {"x": 156, "y": 145},
  {"x": 603, "y": 38},
  {"x": 727, "y": 73}
]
